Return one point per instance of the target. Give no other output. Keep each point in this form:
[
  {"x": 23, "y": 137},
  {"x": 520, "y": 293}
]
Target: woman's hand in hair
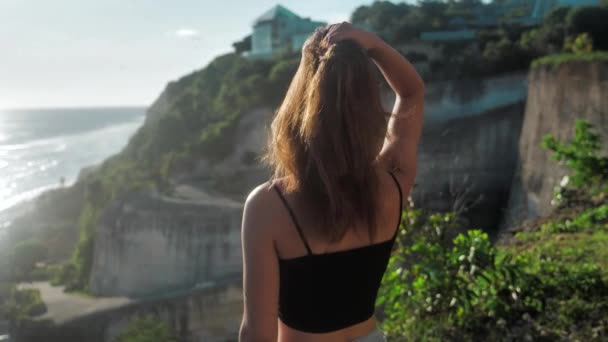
[{"x": 346, "y": 30}]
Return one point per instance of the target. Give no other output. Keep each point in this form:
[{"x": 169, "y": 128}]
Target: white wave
[
  {"x": 60, "y": 148},
  {"x": 25, "y": 172},
  {"x": 70, "y": 153},
  {"x": 32, "y": 144},
  {"x": 48, "y": 164},
  {"x": 24, "y": 196},
  {"x": 25, "y": 151},
  {"x": 57, "y": 144}
]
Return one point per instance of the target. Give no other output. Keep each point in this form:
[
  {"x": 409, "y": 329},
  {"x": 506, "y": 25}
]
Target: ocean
[{"x": 40, "y": 147}]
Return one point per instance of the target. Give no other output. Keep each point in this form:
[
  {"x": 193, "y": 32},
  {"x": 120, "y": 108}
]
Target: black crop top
[{"x": 321, "y": 293}]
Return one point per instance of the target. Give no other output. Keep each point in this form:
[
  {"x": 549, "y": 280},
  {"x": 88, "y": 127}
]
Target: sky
[{"x": 71, "y": 53}]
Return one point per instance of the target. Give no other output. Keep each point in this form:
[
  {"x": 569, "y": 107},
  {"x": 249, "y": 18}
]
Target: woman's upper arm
[
  {"x": 260, "y": 270},
  {"x": 403, "y": 134}
]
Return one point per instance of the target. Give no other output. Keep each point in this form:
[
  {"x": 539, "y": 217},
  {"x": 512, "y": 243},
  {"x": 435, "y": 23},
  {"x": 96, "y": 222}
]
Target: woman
[{"x": 317, "y": 237}]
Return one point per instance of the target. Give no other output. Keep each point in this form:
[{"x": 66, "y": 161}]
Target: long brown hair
[{"x": 327, "y": 134}]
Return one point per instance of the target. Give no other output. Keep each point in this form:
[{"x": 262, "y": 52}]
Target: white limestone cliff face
[
  {"x": 148, "y": 245},
  {"x": 468, "y": 164},
  {"x": 557, "y": 96}
]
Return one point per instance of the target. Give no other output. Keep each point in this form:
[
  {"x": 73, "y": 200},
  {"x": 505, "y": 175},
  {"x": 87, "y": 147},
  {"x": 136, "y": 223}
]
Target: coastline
[
  {"x": 8, "y": 215},
  {"x": 78, "y": 154},
  {"x": 27, "y": 203}
]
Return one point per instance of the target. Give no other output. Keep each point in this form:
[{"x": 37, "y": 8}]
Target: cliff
[
  {"x": 456, "y": 99},
  {"x": 471, "y": 105},
  {"x": 466, "y": 165},
  {"x": 148, "y": 245},
  {"x": 557, "y": 96}
]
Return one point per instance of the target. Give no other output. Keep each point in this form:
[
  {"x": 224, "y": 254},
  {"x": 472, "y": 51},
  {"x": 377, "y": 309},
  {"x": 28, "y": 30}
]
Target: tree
[
  {"x": 592, "y": 20},
  {"x": 280, "y": 76},
  {"x": 549, "y": 37},
  {"x": 434, "y": 12},
  {"x": 505, "y": 55},
  {"x": 582, "y": 155},
  {"x": 382, "y": 17},
  {"x": 242, "y": 45},
  {"x": 463, "y": 8},
  {"x": 580, "y": 45},
  {"x": 398, "y": 23}
]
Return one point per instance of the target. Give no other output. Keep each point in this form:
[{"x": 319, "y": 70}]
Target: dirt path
[{"x": 63, "y": 307}]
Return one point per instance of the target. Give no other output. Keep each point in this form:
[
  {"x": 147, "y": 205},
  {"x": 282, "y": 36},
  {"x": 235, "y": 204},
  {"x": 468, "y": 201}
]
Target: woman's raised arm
[{"x": 405, "y": 124}]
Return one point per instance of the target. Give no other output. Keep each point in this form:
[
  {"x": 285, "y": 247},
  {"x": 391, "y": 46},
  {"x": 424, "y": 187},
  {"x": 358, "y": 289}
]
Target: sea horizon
[{"x": 72, "y": 107}]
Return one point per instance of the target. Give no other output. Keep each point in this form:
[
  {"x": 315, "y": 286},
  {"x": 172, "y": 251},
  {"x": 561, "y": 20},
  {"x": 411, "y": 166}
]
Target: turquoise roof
[{"x": 275, "y": 12}]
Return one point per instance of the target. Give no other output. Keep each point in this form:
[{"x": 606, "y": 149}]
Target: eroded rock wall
[
  {"x": 146, "y": 245},
  {"x": 557, "y": 96}
]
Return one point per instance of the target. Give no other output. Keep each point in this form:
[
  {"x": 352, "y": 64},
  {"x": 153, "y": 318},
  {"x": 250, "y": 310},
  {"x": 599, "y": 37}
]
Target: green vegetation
[
  {"x": 579, "y": 45},
  {"x": 549, "y": 283},
  {"x": 590, "y": 20},
  {"x": 558, "y": 59},
  {"x": 589, "y": 179},
  {"x": 465, "y": 290},
  {"x": 590, "y": 220},
  {"x": 23, "y": 304},
  {"x": 75, "y": 274},
  {"x": 147, "y": 329},
  {"x": 582, "y": 155},
  {"x": 205, "y": 107},
  {"x": 507, "y": 47}
]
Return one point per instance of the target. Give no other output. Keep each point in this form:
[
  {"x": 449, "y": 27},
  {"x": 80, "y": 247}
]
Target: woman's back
[
  {"x": 328, "y": 289},
  {"x": 318, "y": 236},
  {"x": 332, "y": 287},
  {"x": 289, "y": 242}
]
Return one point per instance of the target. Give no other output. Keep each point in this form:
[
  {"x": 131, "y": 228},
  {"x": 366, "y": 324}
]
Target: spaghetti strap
[
  {"x": 400, "y": 202},
  {"x": 293, "y": 218}
]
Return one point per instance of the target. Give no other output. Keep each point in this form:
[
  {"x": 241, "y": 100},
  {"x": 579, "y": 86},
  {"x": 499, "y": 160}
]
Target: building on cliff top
[
  {"x": 279, "y": 29},
  {"x": 526, "y": 13}
]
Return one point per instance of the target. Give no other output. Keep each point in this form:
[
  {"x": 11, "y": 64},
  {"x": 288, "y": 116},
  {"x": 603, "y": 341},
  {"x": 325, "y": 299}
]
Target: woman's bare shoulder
[
  {"x": 261, "y": 199},
  {"x": 260, "y": 209},
  {"x": 260, "y": 193}
]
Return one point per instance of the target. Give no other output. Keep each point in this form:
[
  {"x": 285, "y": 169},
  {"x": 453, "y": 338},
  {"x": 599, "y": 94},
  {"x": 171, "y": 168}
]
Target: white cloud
[{"x": 186, "y": 33}]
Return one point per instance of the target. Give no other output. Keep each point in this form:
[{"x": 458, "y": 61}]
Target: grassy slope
[
  {"x": 575, "y": 265},
  {"x": 558, "y": 59}
]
